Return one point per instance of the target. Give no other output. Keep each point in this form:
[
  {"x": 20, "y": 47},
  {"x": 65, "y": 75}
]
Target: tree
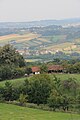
[
  {"x": 7, "y": 91},
  {"x": 10, "y": 72},
  {"x": 69, "y": 87},
  {"x": 11, "y": 63},
  {"x": 5, "y": 72},
  {"x": 54, "y": 100},
  {"x": 40, "y": 87},
  {"x": 76, "y": 67},
  {"x": 57, "y": 84},
  {"x": 69, "y": 91},
  {"x": 1, "y": 94},
  {"x": 65, "y": 102},
  {"x": 78, "y": 102},
  {"x": 44, "y": 68},
  {"x": 28, "y": 70},
  {"x": 9, "y": 55},
  {"x": 26, "y": 86},
  {"x": 56, "y": 60}
]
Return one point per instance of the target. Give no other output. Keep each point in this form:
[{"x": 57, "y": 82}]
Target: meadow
[
  {"x": 19, "y": 81},
  {"x": 13, "y": 112},
  {"x": 15, "y": 82}
]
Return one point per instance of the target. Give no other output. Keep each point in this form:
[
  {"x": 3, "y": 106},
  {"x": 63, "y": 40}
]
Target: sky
[{"x": 33, "y": 10}]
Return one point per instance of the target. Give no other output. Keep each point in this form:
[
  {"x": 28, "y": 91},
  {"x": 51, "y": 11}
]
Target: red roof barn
[
  {"x": 36, "y": 70},
  {"x": 55, "y": 68}
]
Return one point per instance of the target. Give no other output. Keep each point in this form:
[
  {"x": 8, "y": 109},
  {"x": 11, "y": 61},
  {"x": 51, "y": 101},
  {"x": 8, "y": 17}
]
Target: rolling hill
[{"x": 42, "y": 37}]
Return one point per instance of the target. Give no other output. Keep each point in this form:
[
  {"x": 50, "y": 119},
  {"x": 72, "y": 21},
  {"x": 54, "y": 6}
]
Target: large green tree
[
  {"x": 9, "y": 55},
  {"x": 44, "y": 68},
  {"x": 40, "y": 87}
]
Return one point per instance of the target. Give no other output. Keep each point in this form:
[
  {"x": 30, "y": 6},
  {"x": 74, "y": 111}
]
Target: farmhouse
[
  {"x": 51, "y": 69},
  {"x": 55, "y": 68},
  {"x": 35, "y": 70}
]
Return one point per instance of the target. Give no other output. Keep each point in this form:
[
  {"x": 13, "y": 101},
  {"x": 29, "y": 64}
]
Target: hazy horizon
[
  {"x": 38, "y": 20},
  {"x": 35, "y": 10}
]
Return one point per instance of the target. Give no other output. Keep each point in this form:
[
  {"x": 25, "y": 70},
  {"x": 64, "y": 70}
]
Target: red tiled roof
[
  {"x": 55, "y": 67},
  {"x": 35, "y": 69}
]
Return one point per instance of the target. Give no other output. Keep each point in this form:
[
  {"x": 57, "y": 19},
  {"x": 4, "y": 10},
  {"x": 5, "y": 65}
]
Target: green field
[
  {"x": 66, "y": 76},
  {"x": 17, "y": 82},
  {"x": 12, "y": 112}
]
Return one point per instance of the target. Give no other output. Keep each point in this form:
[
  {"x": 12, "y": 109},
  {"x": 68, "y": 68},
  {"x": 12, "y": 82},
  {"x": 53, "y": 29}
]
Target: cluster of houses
[{"x": 51, "y": 69}]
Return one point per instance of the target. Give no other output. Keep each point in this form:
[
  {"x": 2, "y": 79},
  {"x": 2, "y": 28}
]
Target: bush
[
  {"x": 22, "y": 99},
  {"x": 40, "y": 87},
  {"x": 18, "y": 72},
  {"x": 54, "y": 100},
  {"x": 10, "y": 72}
]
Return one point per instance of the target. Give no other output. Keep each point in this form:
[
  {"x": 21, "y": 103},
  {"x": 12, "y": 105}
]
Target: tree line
[{"x": 12, "y": 64}]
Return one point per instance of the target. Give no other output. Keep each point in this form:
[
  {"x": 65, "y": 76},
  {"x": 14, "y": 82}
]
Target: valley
[{"x": 35, "y": 41}]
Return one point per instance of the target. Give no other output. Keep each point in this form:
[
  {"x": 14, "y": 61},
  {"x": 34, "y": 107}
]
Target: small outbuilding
[{"x": 35, "y": 70}]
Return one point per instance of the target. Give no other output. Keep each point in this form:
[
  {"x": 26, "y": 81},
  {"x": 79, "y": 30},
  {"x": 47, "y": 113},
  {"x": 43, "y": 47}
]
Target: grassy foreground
[{"x": 13, "y": 112}]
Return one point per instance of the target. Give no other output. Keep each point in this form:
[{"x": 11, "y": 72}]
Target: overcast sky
[{"x": 30, "y": 10}]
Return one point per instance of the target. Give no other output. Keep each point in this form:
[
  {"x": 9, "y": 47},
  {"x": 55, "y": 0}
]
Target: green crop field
[{"x": 13, "y": 112}]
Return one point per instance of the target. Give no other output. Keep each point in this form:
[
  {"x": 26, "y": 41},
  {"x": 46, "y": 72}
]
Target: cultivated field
[
  {"x": 64, "y": 47},
  {"x": 12, "y": 112},
  {"x": 33, "y": 40},
  {"x": 17, "y": 38}
]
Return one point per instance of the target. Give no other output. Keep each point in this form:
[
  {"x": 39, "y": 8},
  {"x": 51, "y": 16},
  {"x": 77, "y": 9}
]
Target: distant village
[
  {"x": 43, "y": 50},
  {"x": 34, "y": 52}
]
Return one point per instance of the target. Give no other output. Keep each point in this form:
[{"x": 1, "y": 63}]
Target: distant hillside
[
  {"x": 38, "y": 23},
  {"x": 35, "y": 39}
]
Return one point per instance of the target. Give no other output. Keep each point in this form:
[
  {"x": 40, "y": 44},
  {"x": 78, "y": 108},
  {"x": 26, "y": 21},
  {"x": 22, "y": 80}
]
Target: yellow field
[
  {"x": 8, "y": 36},
  {"x": 43, "y": 39},
  {"x": 66, "y": 47},
  {"x": 18, "y": 38},
  {"x": 31, "y": 60}
]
